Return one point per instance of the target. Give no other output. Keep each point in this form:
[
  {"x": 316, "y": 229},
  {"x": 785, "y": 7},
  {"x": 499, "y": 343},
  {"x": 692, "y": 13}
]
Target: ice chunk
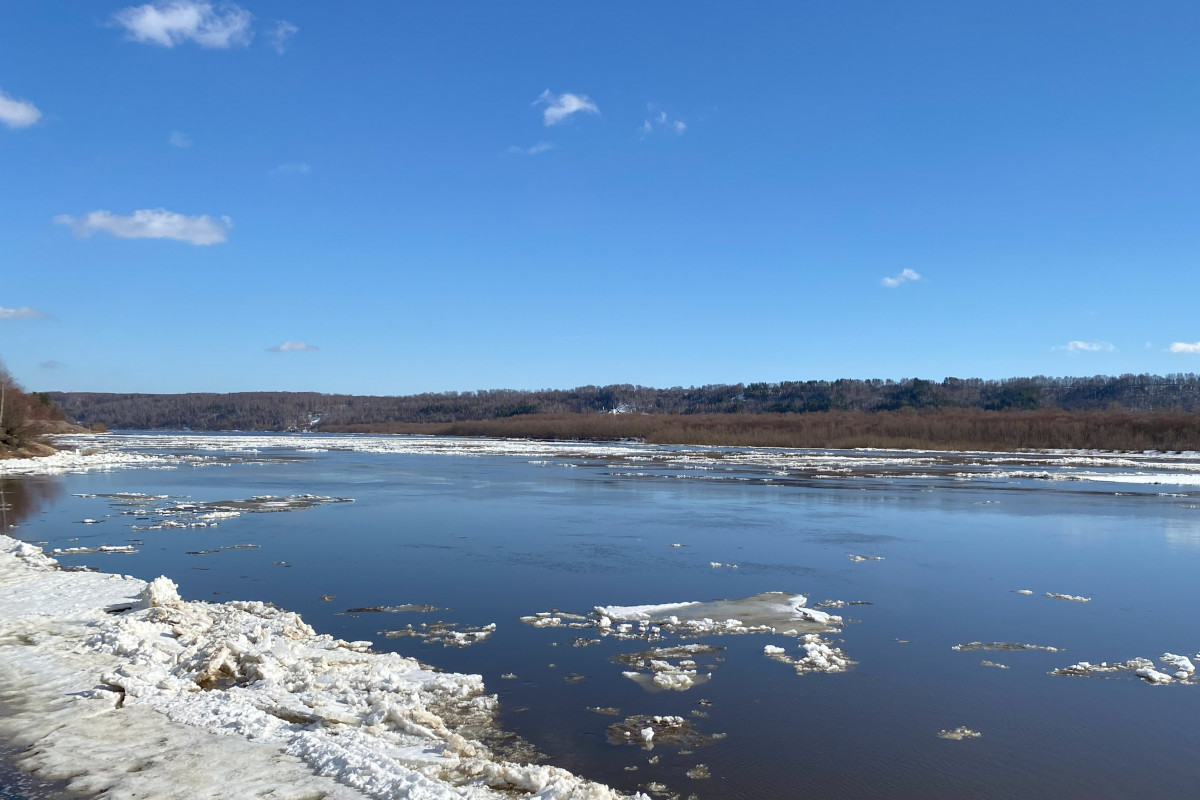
[
  {"x": 959, "y": 733},
  {"x": 1074, "y": 598}
]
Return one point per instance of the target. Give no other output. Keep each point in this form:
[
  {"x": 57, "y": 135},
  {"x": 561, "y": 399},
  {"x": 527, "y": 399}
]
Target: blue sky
[{"x": 394, "y": 197}]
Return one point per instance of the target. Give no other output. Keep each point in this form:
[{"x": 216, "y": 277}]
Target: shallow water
[{"x": 490, "y": 532}]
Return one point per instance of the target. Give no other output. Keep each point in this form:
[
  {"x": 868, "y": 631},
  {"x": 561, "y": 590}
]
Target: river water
[{"x": 490, "y": 531}]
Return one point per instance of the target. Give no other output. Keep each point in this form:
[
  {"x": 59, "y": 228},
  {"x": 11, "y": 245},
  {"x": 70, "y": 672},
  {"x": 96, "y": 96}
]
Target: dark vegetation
[
  {"x": 24, "y": 418},
  {"x": 1131, "y": 412},
  {"x": 949, "y": 429}
]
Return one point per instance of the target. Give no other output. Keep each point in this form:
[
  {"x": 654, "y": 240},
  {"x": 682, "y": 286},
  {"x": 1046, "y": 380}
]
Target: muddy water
[{"x": 488, "y": 537}]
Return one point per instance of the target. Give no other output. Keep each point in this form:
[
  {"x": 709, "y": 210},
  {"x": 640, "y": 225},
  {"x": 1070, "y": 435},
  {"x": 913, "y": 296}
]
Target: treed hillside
[{"x": 274, "y": 411}]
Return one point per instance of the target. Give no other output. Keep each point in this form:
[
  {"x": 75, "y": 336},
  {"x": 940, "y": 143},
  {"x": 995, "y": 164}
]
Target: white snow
[{"x": 125, "y": 689}]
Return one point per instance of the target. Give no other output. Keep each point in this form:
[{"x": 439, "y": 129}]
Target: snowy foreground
[{"x": 122, "y": 688}]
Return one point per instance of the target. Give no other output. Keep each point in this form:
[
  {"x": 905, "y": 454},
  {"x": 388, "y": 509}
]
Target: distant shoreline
[{"x": 954, "y": 429}]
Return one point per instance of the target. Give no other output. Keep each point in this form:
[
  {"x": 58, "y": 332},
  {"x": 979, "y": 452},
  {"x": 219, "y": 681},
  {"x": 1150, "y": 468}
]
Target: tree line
[
  {"x": 24, "y": 418},
  {"x": 281, "y": 411}
]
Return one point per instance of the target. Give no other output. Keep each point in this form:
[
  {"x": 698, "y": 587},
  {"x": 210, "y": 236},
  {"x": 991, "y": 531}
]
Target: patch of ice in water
[
  {"x": 858, "y": 558},
  {"x": 1005, "y": 646},
  {"x": 1074, "y": 598},
  {"x": 959, "y": 733},
  {"x": 647, "y": 731},
  {"x": 448, "y": 634},
  {"x": 761, "y": 613},
  {"x": 1183, "y": 670},
  {"x": 83, "y": 551}
]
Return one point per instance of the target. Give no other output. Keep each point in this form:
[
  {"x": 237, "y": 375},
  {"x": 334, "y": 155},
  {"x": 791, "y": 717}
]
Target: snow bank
[{"x": 121, "y": 687}]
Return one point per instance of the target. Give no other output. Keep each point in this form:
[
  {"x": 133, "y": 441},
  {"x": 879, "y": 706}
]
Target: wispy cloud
[
  {"x": 179, "y": 139},
  {"x": 280, "y": 34},
  {"x": 177, "y": 21},
  {"x": 292, "y": 168},
  {"x": 1077, "y": 346},
  {"x": 52, "y": 364},
  {"x": 1184, "y": 347},
  {"x": 540, "y": 147},
  {"x": 559, "y": 108},
  {"x": 293, "y": 347},
  {"x": 659, "y": 120},
  {"x": 150, "y": 223},
  {"x": 17, "y": 113},
  {"x": 905, "y": 276},
  {"x": 24, "y": 312}
]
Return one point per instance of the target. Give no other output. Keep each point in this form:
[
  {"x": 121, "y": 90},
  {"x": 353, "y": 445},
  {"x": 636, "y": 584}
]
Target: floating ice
[
  {"x": 647, "y": 731},
  {"x": 1005, "y": 646},
  {"x": 858, "y": 558},
  {"x": 819, "y": 656},
  {"x": 121, "y": 686},
  {"x": 448, "y": 634},
  {"x": 83, "y": 551},
  {"x": 761, "y": 613},
  {"x": 959, "y": 733},
  {"x": 1074, "y": 598},
  {"x": 1183, "y": 670}
]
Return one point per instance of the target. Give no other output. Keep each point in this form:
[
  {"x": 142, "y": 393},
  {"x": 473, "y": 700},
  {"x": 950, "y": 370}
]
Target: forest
[
  {"x": 278, "y": 411},
  {"x": 1124, "y": 412}
]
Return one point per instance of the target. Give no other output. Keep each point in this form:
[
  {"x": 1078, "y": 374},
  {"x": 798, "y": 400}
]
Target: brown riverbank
[{"x": 953, "y": 429}]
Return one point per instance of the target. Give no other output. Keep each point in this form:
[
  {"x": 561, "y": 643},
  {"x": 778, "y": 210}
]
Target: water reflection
[
  {"x": 20, "y": 498},
  {"x": 1182, "y": 533}
]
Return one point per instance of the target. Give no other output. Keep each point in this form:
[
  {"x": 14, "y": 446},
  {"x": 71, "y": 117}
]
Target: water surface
[{"x": 489, "y": 532}]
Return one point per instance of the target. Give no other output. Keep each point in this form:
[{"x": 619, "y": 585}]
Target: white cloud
[
  {"x": 17, "y": 113},
  {"x": 52, "y": 365},
  {"x": 659, "y": 120},
  {"x": 1077, "y": 346},
  {"x": 904, "y": 276},
  {"x": 25, "y": 312},
  {"x": 292, "y": 168},
  {"x": 559, "y": 108},
  {"x": 150, "y": 223},
  {"x": 293, "y": 347},
  {"x": 177, "y": 21},
  {"x": 540, "y": 147},
  {"x": 280, "y": 34},
  {"x": 1185, "y": 347},
  {"x": 179, "y": 139}
]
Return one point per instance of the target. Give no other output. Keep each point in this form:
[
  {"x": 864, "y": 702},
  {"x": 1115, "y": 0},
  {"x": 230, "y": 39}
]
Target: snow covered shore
[{"x": 120, "y": 687}]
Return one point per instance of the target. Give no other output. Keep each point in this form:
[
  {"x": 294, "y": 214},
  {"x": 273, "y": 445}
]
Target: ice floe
[
  {"x": 653, "y": 669},
  {"x": 1074, "y": 598},
  {"x": 1179, "y": 669},
  {"x": 1005, "y": 646},
  {"x": 647, "y": 731},
  {"x": 819, "y": 655},
  {"x": 447, "y": 634},
  {"x": 82, "y": 551},
  {"x": 959, "y": 733},
  {"x": 120, "y": 687}
]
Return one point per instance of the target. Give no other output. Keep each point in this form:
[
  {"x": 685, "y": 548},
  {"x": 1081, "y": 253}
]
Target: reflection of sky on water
[{"x": 1183, "y": 533}]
